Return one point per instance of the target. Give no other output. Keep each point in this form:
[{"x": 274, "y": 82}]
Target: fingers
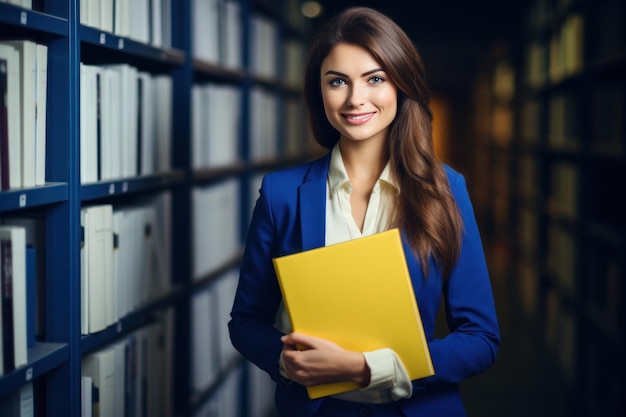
[
  {"x": 299, "y": 339},
  {"x": 304, "y": 342}
]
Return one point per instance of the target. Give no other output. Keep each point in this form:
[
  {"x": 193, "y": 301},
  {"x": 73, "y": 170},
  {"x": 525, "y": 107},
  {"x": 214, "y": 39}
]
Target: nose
[{"x": 357, "y": 95}]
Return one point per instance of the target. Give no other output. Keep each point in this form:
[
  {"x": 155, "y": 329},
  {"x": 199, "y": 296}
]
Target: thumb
[
  {"x": 305, "y": 341},
  {"x": 301, "y": 340}
]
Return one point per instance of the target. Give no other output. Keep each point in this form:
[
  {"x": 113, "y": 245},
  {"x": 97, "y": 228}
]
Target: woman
[{"x": 368, "y": 104}]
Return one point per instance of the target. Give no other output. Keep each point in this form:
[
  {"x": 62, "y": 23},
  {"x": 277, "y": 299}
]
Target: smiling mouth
[{"x": 357, "y": 119}]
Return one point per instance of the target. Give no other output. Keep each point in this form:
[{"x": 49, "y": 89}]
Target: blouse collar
[{"x": 338, "y": 176}]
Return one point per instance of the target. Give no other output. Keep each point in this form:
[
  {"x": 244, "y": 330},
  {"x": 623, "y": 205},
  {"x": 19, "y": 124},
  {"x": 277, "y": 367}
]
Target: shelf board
[
  {"x": 23, "y": 198},
  {"x": 267, "y": 82},
  {"x": 125, "y": 186},
  {"x": 42, "y": 358},
  {"x": 269, "y": 163},
  {"x": 23, "y": 22},
  {"x": 205, "y": 69},
  {"x": 130, "y": 322},
  {"x": 209, "y": 174},
  {"x": 131, "y": 49}
]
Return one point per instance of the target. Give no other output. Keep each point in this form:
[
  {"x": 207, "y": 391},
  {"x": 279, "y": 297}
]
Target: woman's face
[{"x": 359, "y": 100}]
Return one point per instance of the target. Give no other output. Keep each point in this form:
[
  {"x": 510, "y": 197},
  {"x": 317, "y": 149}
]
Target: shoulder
[
  {"x": 287, "y": 178},
  {"x": 455, "y": 178},
  {"x": 459, "y": 190}
]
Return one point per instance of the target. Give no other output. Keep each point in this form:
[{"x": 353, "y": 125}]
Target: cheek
[
  {"x": 387, "y": 99},
  {"x": 332, "y": 103},
  {"x": 394, "y": 108}
]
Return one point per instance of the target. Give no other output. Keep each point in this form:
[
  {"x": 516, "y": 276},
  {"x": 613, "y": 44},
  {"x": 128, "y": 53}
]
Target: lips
[{"x": 358, "y": 118}]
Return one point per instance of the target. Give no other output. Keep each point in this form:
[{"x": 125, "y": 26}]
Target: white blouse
[{"x": 389, "y": 380}]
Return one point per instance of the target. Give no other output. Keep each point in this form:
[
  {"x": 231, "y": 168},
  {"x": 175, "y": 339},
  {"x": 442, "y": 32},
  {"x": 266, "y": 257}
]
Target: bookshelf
[
  {"x": 199, "y": 158},
  {"x": 565, "y": 162}
]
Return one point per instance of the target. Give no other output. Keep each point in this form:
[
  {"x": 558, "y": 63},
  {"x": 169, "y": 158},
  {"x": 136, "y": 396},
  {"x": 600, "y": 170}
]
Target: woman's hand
[{"x": 312, "y": 361}]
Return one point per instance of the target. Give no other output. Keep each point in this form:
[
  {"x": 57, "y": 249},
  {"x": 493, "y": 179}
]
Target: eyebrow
[{"x": 365, "y": 74}]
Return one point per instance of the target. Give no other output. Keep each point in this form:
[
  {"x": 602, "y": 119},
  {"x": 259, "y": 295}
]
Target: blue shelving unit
[{"x": 54, "y": 363}]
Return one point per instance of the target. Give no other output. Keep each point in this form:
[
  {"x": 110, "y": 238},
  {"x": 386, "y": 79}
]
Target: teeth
[{"x": 362, "y": 116}]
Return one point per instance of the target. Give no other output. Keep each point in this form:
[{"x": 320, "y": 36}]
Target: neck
[{"x": 363, "y": 160}]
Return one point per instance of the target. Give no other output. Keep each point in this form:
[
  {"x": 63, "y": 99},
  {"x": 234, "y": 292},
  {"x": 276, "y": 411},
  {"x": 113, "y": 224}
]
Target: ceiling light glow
[{"x": 311, "y": 9}]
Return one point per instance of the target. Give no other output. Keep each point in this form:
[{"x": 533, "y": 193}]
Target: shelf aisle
[{"x": 524, "y": 380}]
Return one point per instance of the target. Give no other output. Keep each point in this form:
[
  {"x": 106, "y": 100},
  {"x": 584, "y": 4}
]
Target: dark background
[
  {"x": 453, "y": 36},
  {"x": 456, "y": 40}
]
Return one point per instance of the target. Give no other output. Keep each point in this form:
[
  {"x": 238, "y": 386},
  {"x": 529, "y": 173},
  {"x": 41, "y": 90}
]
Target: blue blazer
[{"x": 289, "y": 217}]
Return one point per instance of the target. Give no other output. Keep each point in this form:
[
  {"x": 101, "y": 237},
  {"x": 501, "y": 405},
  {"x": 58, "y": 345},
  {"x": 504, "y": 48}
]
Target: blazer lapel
[
  {"x": 312, "y": 201},
  {"x": 413, "y": 264}
]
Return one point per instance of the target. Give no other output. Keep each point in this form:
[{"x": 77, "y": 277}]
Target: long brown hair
[{"x": 425, "y": 209}]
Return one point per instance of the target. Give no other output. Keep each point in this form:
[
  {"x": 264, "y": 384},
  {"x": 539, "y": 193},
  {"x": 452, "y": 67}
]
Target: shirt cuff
[
  {"x": 281, "y": 370},
  {"x": 388, "y": 373}
]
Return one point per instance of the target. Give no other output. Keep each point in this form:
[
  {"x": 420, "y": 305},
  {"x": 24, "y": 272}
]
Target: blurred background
[{"x": 528, "y": 100}]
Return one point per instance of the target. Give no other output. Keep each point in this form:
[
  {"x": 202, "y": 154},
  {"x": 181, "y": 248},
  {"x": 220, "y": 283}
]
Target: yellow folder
[{"x": 357, "y": 294}]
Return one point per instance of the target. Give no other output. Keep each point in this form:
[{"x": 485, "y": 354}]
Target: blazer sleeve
[
  {"x": 258, "y": 296},
  {"x": 472, "y": 343}
]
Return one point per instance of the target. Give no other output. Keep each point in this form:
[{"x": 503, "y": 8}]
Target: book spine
[
  {"x": 7, "y": 305},
  {"x": 31, "y": 294},
  {"x": 4, "y": 127}
]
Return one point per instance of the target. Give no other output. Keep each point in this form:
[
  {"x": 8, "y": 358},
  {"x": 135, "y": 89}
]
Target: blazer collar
[{"x": 312, "y": 201}]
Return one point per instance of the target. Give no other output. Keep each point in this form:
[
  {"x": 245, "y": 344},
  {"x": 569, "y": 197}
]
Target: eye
[
  {"x": 337, "y": 82},
  {"x": 376, "y": 79}
]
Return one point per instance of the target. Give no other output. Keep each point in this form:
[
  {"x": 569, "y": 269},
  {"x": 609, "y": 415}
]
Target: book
[
  {"x": 224, "y": 288},
  {"x": 86, "y": 387},
  {"x": 166, "y": 23},
  {"x": 141, "y": 14},
  {"x": 31, "y": 295},
  {"x": 6, "y": 314},
  {"x": 145, "y": 124},
  {"x": 123, "y": 145},
  {"x": 359, "y": 295},
  {"x": 27, "y": 53},
  {"x": 162, "y": 255},
  {"x": 156, "y": 23},
  {"x": 34, "y": 226},
  {"x": 41, "y": 135},
  {"x": 204, "y": 358},
  {"x": 84, "y": 271},
  {"x": 222, "y": 112},
  {"x": 97, "y": 297},
  {"x": 88, "y": 123},
  {"x": 157, "y": 360},
  {"x": 109, "y": 125},
  {"x": 27, "y": 4},
  {"x": 106, "y": 15},
  {"x": 122, "y": 369},
  {"x": 4, "y": 125},
  {"x": 163, "y": 95},
  {"x": 231, "y": 36},
  {"x": 19, "y": 403},
  {"x": 13, "y": 278},
  {"x": 121, "y": 18},
  {"x": 12, "y": 150},
  {"x": 100, "y": 366},
  {"x": 205, "y": 33},
  {"x": 215, "y": 233}
]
